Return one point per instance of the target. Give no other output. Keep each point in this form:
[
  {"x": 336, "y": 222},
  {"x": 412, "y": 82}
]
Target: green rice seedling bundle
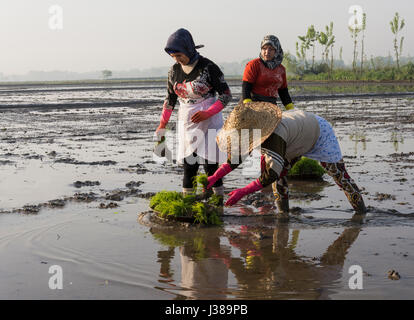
[
  {"x": 173, "y": 205},
  {"x": 306, "y": 168}
]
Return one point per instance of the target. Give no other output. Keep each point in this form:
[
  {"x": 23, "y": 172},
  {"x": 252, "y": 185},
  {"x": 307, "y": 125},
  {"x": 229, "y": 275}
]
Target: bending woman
[
  {"x": 285, "y": 137},
  {"x": 194, "y": 81}
]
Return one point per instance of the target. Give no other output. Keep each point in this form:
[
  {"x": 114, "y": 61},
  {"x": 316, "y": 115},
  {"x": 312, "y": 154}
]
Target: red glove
[
  {"x": 224, "y": 169},
  {"x": 237, "y": 194},
  {"x": 165, "y": 117},
  {"x": 204, "y": 115}
]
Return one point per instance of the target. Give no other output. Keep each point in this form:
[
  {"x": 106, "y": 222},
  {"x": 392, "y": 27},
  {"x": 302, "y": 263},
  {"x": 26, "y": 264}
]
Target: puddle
[{"x": 74, "y": 178}]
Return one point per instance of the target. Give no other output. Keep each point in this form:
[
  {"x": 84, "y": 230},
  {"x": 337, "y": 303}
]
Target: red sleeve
[{"x": 250, "y": 72}]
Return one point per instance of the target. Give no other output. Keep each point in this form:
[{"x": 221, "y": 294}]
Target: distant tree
[
  {"x": 307, "y": 41},
  {"x": 364, "y": 25},
  {"x": 327, "y": 39},
  {"x": 355, "y": 29},
  {"x": 106, "y": 74},
  {"x": 312, "y": 36},
  {"x": 304, "y": 46},
  {"x": 396, "y": 27}
]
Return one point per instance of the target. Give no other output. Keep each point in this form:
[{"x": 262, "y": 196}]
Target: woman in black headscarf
[
  {"x": 194, "y": 80},
  {"x": 264, "y": 78}
]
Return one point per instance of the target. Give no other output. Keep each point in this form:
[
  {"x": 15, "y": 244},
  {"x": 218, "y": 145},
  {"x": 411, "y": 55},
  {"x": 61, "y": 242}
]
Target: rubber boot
[
  {"x": 360, "y": 207},
  {"x": 360, "y": 212},
  {"x": 283, "y": 209}
]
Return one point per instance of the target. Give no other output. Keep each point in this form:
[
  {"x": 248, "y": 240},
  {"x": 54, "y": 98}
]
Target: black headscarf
[
  {"x": 274, "y": 42},
  {"x": 182, "y": 41}
]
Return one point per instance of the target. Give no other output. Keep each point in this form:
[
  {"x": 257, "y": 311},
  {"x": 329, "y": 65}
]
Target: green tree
[
  {"x": 327, "y": 39},
  {"x": 364, "y": 26},
  {"x": 396, "y": 27},
  {"x": 106, "y": 74},
  {"x": 301, "y": 53},
  {"x": 307, "y": 42},
  {"x": 312, "y": 37},
  {"x": 355, "y": 29}
]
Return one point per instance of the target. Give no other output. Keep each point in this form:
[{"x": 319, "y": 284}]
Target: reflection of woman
[
  {"x": 267, "y": 266},
  {"x": 264, "y": 78},
  {"x": 204, "y": 265},
  {"x": 276, "y": 270},
  {"x": 194, "y": 81}
]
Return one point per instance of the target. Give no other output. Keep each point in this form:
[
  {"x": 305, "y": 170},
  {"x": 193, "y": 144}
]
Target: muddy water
[{"x": 49, "y": 219}]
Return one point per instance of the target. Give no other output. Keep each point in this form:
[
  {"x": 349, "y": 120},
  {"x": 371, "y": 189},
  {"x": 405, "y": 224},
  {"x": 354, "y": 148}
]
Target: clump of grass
[
  {"x": 215, "y": 200},
  {"x": 200, "y": 214},
  {"x": 306, "y": 168},
  {"x": 170, "y": 204},
  {"x": 200, "y": 183}
]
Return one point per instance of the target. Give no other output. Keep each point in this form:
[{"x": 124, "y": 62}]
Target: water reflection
[
  {"x": 396, "y": 133},
  {"x": 396, "y": 138},
  {"x": 247, "y": 262},
  {"x": 358, "y": 133}
]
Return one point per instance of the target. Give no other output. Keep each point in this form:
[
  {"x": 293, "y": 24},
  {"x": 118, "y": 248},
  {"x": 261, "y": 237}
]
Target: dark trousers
[{"x": 191, "y": 170}]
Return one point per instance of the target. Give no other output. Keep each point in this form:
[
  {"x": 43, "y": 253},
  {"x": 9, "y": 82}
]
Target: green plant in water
[
  {"x": 215, "y": 200},
  {"x": 306, "y": 167},
  {"x": 200, "y": 212},
  {"x": 174, "y": 204},
  {"x": 200, "y": 183}
]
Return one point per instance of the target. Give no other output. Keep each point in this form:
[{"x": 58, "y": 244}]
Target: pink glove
[
  {"x": 224, "y": 169},
  {"x": 165, "y": 117},
  {"x": 237, "y": 194},
  {"x": 204, "y": 115}
]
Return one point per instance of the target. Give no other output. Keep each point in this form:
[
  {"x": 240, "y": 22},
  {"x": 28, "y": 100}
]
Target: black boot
[{"x": 283, "y": 210}]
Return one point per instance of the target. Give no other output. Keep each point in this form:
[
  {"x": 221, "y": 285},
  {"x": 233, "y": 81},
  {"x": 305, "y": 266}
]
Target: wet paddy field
[{"x": 77, "y": 169}]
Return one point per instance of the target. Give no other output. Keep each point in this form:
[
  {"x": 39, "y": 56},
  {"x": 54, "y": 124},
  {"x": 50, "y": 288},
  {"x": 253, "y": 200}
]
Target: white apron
[{"x": 199, "y": 137}]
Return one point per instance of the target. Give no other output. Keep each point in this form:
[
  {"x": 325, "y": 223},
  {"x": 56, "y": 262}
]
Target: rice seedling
[
  {"x": 306, "y": 168},
  {"x": 173, "y": 205}
]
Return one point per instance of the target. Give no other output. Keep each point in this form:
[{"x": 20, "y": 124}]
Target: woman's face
[
  {"x": 181, "y": 58},
  {"x": 268, "y": 52}
]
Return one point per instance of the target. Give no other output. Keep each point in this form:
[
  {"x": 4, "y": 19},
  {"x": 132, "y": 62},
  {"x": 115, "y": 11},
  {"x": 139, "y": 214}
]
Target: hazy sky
[{"x": 127, "y": 34}]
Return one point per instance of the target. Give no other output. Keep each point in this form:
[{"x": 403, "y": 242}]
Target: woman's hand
[
  {"x": 235, "y": 196},
  {"x": 200, "y": 116},
  {"x": 215, "y": 108}
]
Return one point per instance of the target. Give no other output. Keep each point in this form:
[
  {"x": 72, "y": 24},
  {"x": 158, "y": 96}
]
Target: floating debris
[
  {"x": 30, "y": 209},
  {"x": 146, "y": 195},
  {"x": 133, "y": 184},
  {"x": 56, "y": 203},
  {"x": 393, "y": 275},
  {"x": 86, "y": 197},
  {"x": 93, "y": 163},
  {"x": 109, "y": 205},
  {"x": 79, "y": 184},
  {"x": 384, "y": 196},
  {"x": 117, "y": 196}
]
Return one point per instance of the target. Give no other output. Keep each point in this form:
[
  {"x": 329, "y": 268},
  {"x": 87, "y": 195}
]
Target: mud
[
  {"x": 76, "y": 169},
  {"x": 80, "y": 184}
]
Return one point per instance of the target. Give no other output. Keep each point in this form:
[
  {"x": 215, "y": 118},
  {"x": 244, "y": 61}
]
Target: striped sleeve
[{"x": 274, "y": 150}]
